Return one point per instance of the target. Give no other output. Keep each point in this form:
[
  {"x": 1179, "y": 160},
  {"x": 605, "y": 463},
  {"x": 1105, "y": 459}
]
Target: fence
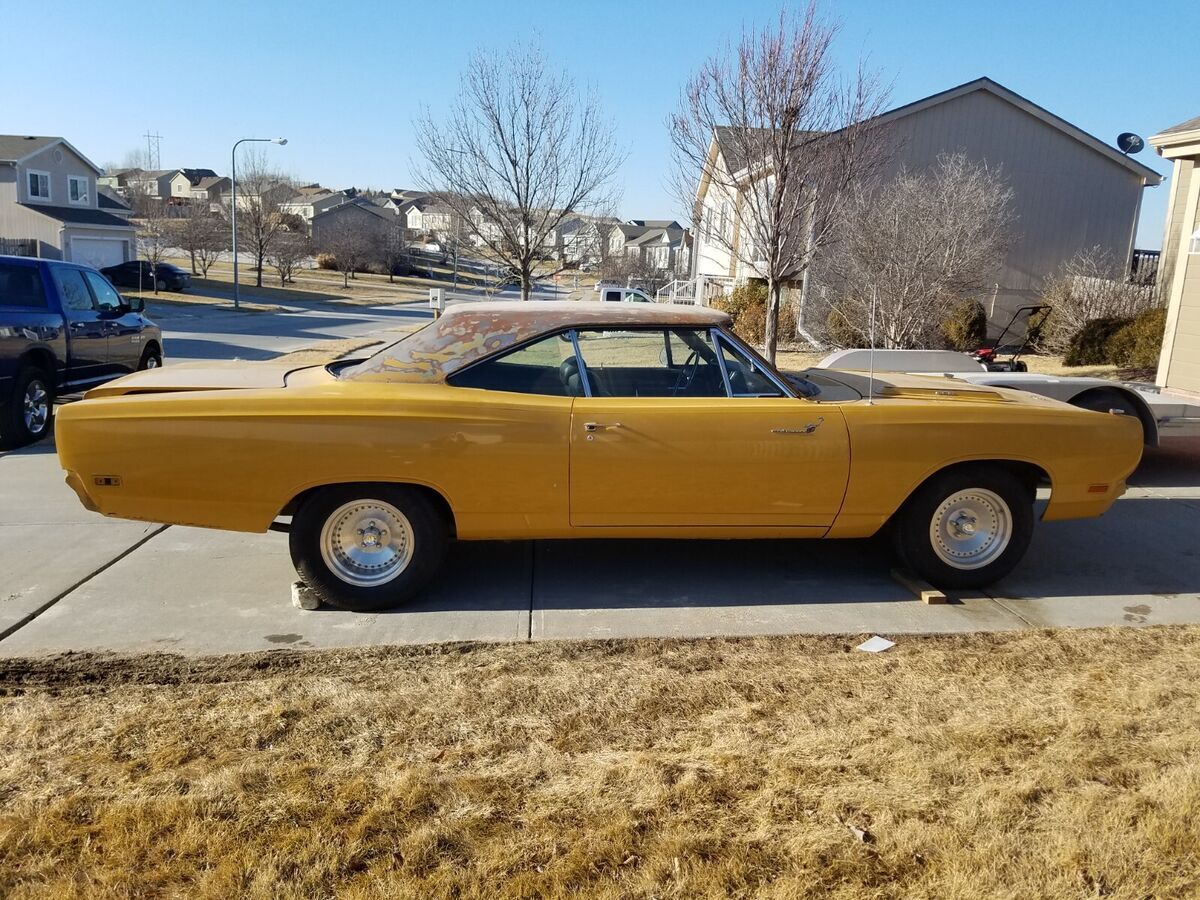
[{"x": 18, "y": 247}]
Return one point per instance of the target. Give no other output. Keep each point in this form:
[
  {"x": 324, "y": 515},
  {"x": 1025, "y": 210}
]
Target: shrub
[
  {"x": 747, "y": 307},
  {"x": 965, "y": 327},
  {"x": 840, "y": 333},
  {"x": 326, "y": 261},
  {"x": 1138, "y": 344},
  {"x": 1090, "y": 344}
]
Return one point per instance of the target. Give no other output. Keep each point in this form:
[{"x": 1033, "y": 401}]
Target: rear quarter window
[{"x": 21, "y": 286}]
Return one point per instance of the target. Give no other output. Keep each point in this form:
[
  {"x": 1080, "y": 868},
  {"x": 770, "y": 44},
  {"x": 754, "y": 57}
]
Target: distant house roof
[
  {"x": 106, "y": 199},
  {"x": 361, "y": 203},
  {"x": 195, "y": 175},
  {"x": 77, "y": 215},
  {"x": 656, "y": 223},
  {"x": 16, "y": 148},
  {"x": 209, "y": 181}
]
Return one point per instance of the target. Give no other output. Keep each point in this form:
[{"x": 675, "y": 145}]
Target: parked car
[
  {"x": 63, "y": 328},
  {"x": 615, "y": 293},
  {"x": 145, "y": 276},
  {"x": 564, "y": 419}
]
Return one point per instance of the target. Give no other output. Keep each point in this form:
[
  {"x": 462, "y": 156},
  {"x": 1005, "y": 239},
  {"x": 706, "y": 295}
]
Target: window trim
[
  {"x": 515, "y": 348},
  {"x": 38, "y": 198},
  {"x": 745, "y": 350},
  {"x": 1194, "y": 243},
  {"x": 87, "y": 190}
]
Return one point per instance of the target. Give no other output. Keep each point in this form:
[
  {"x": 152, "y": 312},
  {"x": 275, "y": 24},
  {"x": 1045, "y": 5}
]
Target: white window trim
[
  {"x": 87, "y": 190},
  {"x": 49, "y": 190},
  {"x": 1194, "y": 244}
]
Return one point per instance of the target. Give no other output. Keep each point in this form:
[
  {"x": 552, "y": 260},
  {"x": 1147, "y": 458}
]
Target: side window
[
  {"x": 679, "y": 362},
  {"x": 73, "y": 289},
  {"x": 107, "y": 299},
  {"x": 21, "y": 286},
  {"x": 746, "y": 375},
  {"x": 546, "y": 367}
]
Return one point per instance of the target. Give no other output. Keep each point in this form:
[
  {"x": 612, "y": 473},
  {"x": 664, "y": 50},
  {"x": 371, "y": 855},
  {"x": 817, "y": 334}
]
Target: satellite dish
[{"x": 1128, "y": 142}]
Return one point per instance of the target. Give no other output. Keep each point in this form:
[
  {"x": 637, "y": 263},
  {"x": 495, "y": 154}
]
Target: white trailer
[{"x": 1162, "y": 415}]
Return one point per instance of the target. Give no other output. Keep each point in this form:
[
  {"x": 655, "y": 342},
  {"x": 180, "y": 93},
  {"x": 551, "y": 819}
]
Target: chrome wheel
[
  {"x": 367, "y": 543},
  {"x": 152, "y": 362},
  {"x": 971, "y": 528},
  {"x": 36, "y": 407}
]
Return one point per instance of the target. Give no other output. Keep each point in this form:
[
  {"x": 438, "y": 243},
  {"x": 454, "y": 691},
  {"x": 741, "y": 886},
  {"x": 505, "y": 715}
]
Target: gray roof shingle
[
  {"x": 77, "y": 215},
  {"x": 1189, "y": 125}
]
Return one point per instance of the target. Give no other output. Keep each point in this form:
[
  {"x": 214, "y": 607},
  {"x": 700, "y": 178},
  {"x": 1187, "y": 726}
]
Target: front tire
[
  {"x": 368, "y": 547},
  {"x": 965, "y": 528},
  {"x": 151, "y": 359},
  {"x": 29, "y": 414}
]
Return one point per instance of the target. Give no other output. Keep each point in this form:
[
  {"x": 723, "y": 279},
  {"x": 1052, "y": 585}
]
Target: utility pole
[{"x": 153, "y": 142}]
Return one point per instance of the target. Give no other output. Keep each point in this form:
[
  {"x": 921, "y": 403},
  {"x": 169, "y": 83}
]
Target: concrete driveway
[{"x": 72, "y": 580}]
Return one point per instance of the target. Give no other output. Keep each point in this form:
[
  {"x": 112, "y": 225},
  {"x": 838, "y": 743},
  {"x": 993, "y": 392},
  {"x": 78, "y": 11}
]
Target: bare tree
[
  {"x": 633, "y": 270},
  {"x": 391, "y": 246},
  {"x": 780, "y": 136},
  {"x": 349, "y": 241},
  {"x": 520, "y": 151},
  {"x": 261, "y": 192},
  {"x": 915, "y": 246},
  {"x": 1091, "y": 285},
  {"x": 286, "y": 253},
  {"x": 155, "y": 232},
  {"x": 202, "y": 234}
]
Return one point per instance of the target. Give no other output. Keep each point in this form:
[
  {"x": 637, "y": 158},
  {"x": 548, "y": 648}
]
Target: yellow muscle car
[{"x": 584, "y": 420}]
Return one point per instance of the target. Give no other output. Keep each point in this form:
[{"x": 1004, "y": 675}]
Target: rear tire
[
  {"x": 29, "y": 414},
  {"x": 966, "y": 527},
  {"x": 368, "y": 547},
  {"x": 151, "y": 359}
]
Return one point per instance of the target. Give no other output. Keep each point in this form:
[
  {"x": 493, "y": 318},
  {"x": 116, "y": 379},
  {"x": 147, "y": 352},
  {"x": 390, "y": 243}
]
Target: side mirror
[{"x": 135, "y": 304}]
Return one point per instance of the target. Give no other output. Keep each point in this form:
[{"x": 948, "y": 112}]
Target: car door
[
  {"x": 664, "y": 440},
  {"x": 512, "y": 439},
  {"x": 87, "y": 328},
  {"x": 123, "y": 327}
]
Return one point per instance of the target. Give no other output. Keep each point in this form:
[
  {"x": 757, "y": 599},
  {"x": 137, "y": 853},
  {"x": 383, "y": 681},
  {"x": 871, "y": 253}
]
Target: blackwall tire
[
  {"x": 965, "y": 528},
  {"x": 29, "y": 415},
  {"x": 368, "y": 547}
]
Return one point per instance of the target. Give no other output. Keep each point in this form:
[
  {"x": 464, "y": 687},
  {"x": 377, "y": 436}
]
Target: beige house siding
[
  {"x": 1179, "y": 364},
  {"x": 1181, "y": 178},
  {"x": 1066, "y": 196}
]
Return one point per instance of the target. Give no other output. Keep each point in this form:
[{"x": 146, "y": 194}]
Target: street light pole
[{"x": 233, "y": 205}]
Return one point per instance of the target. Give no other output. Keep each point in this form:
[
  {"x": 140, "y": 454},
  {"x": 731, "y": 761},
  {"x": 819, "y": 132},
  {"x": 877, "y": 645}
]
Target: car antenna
[{"x": 871, "y": 355}]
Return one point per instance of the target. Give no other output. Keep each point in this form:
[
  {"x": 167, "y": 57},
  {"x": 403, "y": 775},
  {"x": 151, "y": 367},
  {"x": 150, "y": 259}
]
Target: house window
[
  {"x": 1194, "y": 246},
  {"x": 39, "y": 185},
  {"x": 77, "y": 190}
]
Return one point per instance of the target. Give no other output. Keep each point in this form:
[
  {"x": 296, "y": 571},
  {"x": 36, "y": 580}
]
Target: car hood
[
  {"x": 940, "y": 388},
  {"x": 210, "y": 377}
]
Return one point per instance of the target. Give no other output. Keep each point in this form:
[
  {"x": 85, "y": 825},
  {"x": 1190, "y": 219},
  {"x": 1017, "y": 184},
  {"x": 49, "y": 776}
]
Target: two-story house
[{"x": 48, "y": 196}]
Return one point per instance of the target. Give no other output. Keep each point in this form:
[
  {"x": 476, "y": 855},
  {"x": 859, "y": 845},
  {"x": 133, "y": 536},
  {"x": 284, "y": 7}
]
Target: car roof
[{"x": 468, "y": 332}]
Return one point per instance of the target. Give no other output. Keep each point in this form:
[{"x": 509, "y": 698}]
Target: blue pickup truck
[{"x": 63, "y": 329}]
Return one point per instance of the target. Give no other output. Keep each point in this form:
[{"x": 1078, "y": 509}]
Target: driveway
[{"x": 73, "y": 581}]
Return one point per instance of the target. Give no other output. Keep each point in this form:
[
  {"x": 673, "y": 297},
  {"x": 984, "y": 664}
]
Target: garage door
[{"x": 97, "y": 252}]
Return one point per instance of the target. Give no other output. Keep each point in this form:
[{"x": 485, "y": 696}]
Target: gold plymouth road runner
[{"x": 584, "y": 420}]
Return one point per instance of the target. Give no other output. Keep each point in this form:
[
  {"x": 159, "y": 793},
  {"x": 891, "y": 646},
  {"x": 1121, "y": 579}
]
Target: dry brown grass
[{"x": 1039, "y": 764}]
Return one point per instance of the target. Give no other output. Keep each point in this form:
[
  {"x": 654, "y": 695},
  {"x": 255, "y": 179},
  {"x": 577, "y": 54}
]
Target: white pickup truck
[{"x": 1162, "y": 415}]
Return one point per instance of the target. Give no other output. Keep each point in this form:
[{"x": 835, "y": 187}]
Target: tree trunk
[
  {"x": 345, "y": 278},
  {"x": 771, "y": 330},
  {"x": 258, "y": 271},
  {"x": 193, "y": 252},
  {"x": 526, "y": 284}
]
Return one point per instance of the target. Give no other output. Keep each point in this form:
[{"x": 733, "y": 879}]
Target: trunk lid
[{"x": 207, "y": 377}]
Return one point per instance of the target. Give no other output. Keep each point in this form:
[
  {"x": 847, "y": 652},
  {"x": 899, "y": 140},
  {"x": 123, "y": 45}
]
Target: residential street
[{"x": 107, "y": 585}]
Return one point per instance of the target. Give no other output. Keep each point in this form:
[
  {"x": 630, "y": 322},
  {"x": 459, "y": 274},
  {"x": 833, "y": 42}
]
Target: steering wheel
[{"x": 687, "y": 374}]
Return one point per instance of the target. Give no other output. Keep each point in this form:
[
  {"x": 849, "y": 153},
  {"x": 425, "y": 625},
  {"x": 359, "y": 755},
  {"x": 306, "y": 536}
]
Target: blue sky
[{"x": 343, "y": 81}]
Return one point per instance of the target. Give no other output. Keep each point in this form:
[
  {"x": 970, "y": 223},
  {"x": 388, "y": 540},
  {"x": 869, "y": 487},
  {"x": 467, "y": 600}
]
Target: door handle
[
  {"x": 807, "y": 429},
  {"x": 597, "y": 426}
]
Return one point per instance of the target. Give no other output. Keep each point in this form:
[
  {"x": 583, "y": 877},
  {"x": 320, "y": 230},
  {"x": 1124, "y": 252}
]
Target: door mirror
[{"x": 135, "y": 304}]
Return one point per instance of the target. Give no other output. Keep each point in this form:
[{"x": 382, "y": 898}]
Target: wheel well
[
  {"x": 1031, "y": 475},
  {"x": 1145, "y": 416},
  {"x": 44, "y": 360},
  {"x": 439, "y": 501},
  {"x": 152, "y": 345}
]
